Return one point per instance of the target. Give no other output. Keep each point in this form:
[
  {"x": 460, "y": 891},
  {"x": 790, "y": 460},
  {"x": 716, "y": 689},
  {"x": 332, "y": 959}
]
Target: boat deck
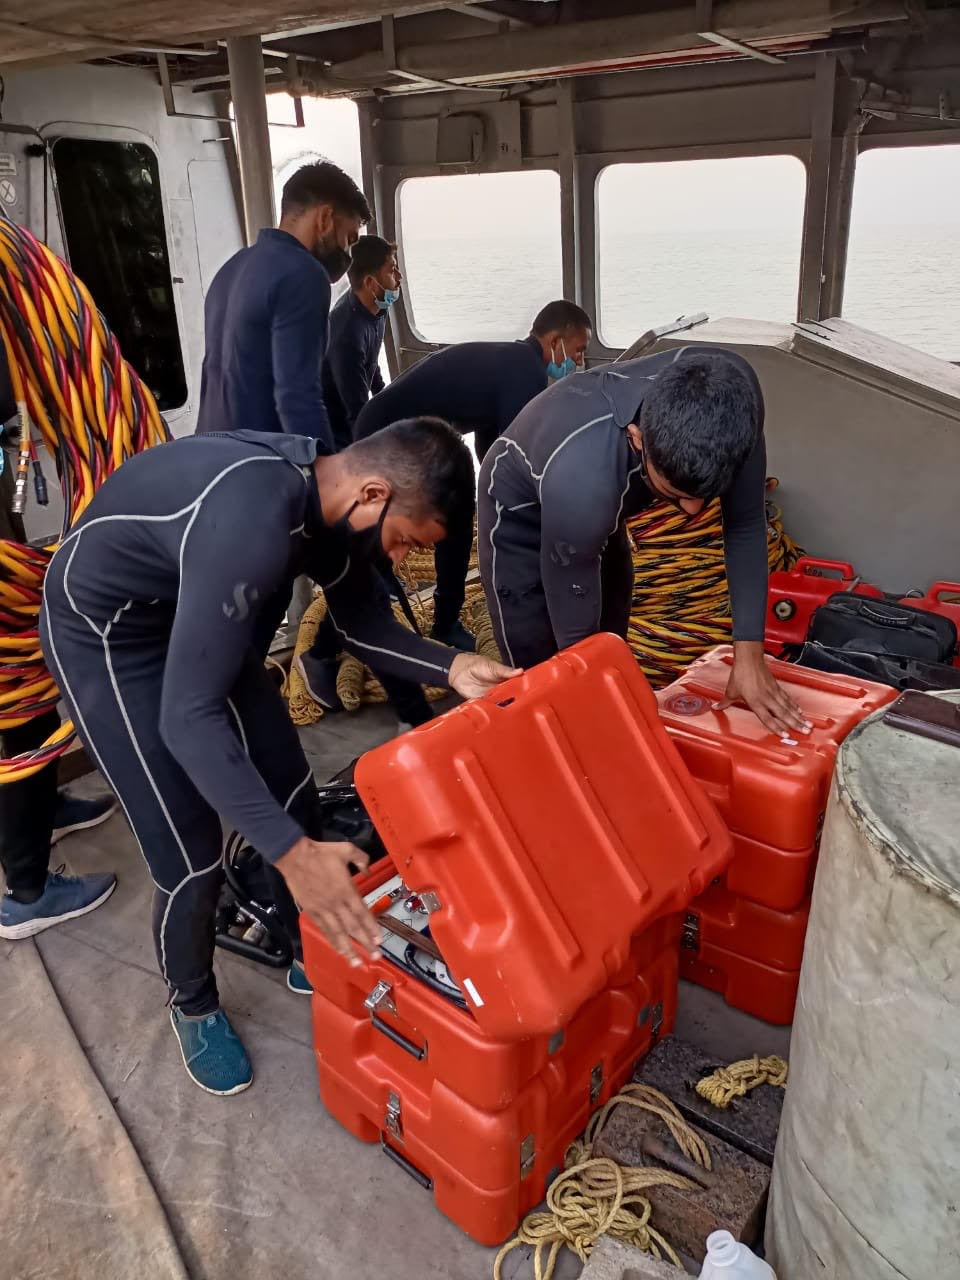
[{"x": 116, "y": 1166}]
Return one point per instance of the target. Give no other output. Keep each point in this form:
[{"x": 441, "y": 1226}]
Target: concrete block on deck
[{"x": 613, "y": 1260}]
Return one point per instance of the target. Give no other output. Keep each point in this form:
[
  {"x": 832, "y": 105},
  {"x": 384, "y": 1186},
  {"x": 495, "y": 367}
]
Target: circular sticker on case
[{"x": 686, "y": 704}]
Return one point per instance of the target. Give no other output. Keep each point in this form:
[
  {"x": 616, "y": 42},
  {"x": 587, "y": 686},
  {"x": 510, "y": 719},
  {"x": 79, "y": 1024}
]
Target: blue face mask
[
  {"x": 390, "y": 296},
  {"x": 557, "y": 371}
]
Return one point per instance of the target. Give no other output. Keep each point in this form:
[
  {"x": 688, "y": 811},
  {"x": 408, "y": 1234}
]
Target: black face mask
[
  {"x": 335, "y": 262},
  {"x": 366, "y": 544}
]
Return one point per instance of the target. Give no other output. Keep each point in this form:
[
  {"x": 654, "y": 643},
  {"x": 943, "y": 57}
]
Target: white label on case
[{"x": 473, "y": 993}]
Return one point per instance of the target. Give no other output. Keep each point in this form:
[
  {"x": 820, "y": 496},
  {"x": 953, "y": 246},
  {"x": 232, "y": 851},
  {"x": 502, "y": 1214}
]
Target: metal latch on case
[
  {"x": 528, "y": 1154},
  {"x": 657, "y": 1023},
  {"x": 690, "y": 938},
  {"x": 429, "y": 902},
  {"x": 393, "y": 1117},
  {"x": 596, "y": 1082},
  {"x": 380, "y": 998}
]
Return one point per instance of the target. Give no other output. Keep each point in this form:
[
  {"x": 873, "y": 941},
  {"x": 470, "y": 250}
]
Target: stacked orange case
[
  {"x": 558, "y": 838},
  {"x": 744, "y": 937}
]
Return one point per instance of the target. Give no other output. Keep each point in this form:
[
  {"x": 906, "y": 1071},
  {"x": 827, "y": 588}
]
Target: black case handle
[
  {"x": 408, "y": 1046},
  {"x": 405, "y": 1165}
]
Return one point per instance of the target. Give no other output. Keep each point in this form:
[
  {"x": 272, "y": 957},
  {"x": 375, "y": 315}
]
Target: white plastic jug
[{"x": 728, "y": 1259}]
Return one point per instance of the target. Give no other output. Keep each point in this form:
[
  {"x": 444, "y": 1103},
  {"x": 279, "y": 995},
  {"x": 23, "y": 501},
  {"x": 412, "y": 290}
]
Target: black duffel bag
[
  {"x": 883, "y": 668},
  {"x": 866, "y": 625}
]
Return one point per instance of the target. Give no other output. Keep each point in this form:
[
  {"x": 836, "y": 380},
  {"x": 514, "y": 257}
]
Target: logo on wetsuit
[
  {"x": 239, "y": 611},
  {"x": 563, "y": 553}
]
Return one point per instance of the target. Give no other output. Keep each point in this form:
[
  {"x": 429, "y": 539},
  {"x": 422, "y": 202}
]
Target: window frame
[
  {"x": 421, "y": 345},
  {"x": 67, "y": 131},
  {"x": 898, "y": 141},
  {"x": 796, "y": 150}
]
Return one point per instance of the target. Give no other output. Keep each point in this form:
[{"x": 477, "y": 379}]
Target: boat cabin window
[
  {"x": 676, "y": 237},
  {"x": 109, "y": 195},
  {"x": 903, "y": 268},
  {"x": 480, "y": 252}
]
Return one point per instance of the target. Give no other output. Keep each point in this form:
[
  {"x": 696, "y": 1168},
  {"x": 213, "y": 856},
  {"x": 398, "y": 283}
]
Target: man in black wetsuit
[
  {"x": 351, "y": 364},
  {"x": 148, "y": 626},
  {"x": 556, "y": 489},
  {"x": 478, "y": 387}
]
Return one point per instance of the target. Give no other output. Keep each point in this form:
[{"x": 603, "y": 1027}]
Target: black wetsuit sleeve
[
  {"x": 359, "y": 610},
  {"x": 578, "y": 515},
  {"x": 226, "y": 573},
  {"x": 347, "y": 364},
  {"x": 298, "y": 336},
  {"x": 745, "y": 545}
]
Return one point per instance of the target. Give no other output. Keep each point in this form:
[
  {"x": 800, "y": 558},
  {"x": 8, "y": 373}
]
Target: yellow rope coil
[
  {"x": 595, "y": 1196},
  {"x": 736, "y": 1081},
  {"x": 681, "y": 602},
  {"x": 91, "y": 411}
]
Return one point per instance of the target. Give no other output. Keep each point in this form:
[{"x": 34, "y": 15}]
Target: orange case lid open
[{"x": 551, "y": 820}]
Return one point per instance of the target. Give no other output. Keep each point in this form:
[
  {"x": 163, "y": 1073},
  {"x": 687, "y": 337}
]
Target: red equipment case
[
  {"x": 771, "y": 793},
  {"x": 942, "y": 598},
  {"x": 793, "y": 596},
  {"x": 556, "y": 838},
  {"x": 719, "y": 918},
  {"x": 748, "y": 953},
  {"x": 759, "y": 989}
]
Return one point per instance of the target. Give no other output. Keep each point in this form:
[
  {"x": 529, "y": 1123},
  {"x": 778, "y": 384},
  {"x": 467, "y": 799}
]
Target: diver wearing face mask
[
  {"x": 566, "y": 366},
  {"x": 351, "y": 366},
  {"x": 266, "y": 312}
]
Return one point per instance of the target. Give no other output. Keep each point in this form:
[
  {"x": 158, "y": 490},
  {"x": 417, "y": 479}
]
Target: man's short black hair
[
  {"x": 323, "y": 183},
  {"x": 561, "y": 317},
  {"x": 427, "y": 464},
  {"x": 700, "y": 420},
  {"x": 367, "y": 257}
]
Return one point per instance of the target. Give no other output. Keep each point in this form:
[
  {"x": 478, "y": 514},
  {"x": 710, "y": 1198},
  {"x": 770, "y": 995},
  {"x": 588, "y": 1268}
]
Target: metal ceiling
[{"x": 357, "y": 47}]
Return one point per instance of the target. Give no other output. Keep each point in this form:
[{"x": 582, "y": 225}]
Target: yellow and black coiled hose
[
  {"x": 92, "y": 411},
  {"x": 681, "y": 603}
]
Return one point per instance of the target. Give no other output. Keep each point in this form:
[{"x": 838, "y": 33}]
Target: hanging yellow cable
[
  {"x": 91, "y": 411},
  {"x": 681, "y": 602}
]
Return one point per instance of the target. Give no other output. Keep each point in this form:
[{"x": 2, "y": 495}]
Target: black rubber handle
[
  {"x": 414, "y": 1050},
  {"x": 405, "y": 1165},
  {"x": 893, "y": 620}
]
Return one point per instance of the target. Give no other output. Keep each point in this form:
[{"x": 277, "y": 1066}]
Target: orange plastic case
[
  {"x": 550, "y": 822},
  {"x": 718, "y": 918},
  {"x": 771, "y": 793},
  {"x": 558, "y": 838},
  {"x": 760, "y": 989},
  {"x": 465, "y": 1118},
  {"x": 795, "y": 594}
]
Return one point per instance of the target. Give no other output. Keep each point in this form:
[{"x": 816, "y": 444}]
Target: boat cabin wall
[
  {"x": 168, "y": 221},
  {"x": 865, "y": 454}
]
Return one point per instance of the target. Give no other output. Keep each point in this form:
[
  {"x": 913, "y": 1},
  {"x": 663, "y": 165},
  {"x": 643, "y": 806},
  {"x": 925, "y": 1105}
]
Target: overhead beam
[
  {"x": 488, "y": 13},
  {"x": 565, "y": 48},
  {"x": 72, "y": 31}
]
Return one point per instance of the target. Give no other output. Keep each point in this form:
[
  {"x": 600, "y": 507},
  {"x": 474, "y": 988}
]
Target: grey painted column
[{"x": 245, "y": 60}]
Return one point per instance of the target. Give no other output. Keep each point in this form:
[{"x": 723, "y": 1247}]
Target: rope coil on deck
[
  {"x": 681, "y": 601},
  {"x": 736, "y": 1081},
  {"x": 595, "y": 1196},
  {"x": 92, "y": 412}
]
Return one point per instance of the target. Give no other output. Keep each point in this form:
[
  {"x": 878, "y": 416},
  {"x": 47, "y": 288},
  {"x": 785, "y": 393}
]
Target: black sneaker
[
  {"x": 457, "y": 637},
  {"x": 319, "y": 676},
  {"x": 77, "y": 813}
]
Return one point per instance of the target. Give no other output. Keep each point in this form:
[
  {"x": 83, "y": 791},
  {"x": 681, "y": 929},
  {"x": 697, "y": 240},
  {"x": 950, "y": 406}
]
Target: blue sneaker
[
  {"x": 63, "y": 898},
  {"x": 76, "y": 813},
  {"x": 297, "y": 980},
  {"x": 212, "y": 1053}
]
